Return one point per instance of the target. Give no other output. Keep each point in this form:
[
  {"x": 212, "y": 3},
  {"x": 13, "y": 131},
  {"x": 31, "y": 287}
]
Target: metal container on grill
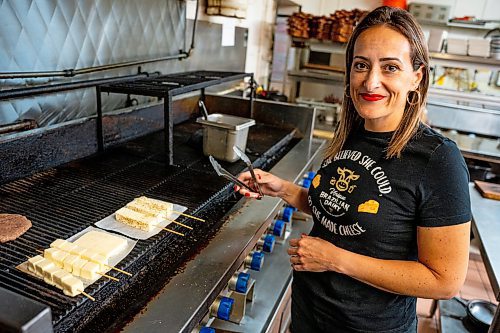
[{"x": 221, "y": 132}]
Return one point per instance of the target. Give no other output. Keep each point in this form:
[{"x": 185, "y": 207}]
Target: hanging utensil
[
  {"x": 247, "y": 161},
  {"x": 203, "y": 109}
]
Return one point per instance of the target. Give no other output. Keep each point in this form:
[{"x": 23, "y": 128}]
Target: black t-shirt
[{"x": 367, "y": 204}]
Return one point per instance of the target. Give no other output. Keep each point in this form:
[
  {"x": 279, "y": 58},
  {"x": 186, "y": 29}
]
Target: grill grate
[{"x": 65, "y": 200}]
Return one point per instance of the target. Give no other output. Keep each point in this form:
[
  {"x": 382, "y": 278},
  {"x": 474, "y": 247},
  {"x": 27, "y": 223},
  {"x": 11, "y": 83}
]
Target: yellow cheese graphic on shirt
[
  {"x": 316, "y": 181},
  {"x": 370, "y": 206}
]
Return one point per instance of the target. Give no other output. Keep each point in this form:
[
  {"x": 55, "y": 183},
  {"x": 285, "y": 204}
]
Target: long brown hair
[{"x": 404, "y": 23}]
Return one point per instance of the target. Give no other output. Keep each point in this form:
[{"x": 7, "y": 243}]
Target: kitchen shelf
[
  {"x": 486, "y": 26},
  {"x": 464, "y": 59},
  {"x": 315, "y": 76}
]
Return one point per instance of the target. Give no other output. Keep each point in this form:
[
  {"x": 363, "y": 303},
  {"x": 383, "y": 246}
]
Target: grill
[{"x": 65, "y": 200}]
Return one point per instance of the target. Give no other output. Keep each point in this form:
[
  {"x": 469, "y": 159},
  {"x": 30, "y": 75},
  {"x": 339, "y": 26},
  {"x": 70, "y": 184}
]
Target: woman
[{"x": 390, "y": 202}]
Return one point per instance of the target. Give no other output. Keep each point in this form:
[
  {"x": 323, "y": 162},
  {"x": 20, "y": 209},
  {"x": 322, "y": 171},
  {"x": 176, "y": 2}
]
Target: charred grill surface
[{"x": 65, "y": 200}]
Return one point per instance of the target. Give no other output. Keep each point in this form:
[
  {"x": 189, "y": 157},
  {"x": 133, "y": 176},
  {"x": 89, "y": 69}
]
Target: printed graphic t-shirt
[{"x": 367, "y": 204}]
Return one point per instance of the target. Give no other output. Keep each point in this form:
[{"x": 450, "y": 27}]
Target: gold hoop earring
[
  {"x": 413, "y": 102},
  {"x": 346, "y": 90}
]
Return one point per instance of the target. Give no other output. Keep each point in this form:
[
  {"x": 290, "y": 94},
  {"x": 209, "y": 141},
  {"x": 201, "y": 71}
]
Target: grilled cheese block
[
  {"x": 137, "y": 220},
  {"x": 146, "y": 210},
  {"x": 48, "y": 274},
  {"x": 154, "y": 204},
  {"x": 90, "y": 271}
]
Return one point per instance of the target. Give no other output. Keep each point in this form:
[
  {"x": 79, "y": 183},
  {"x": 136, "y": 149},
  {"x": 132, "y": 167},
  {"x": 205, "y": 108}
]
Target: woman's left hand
[{"x": 312, "y": 254}]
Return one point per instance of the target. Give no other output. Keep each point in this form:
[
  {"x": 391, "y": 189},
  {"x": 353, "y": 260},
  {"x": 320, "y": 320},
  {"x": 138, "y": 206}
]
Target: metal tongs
[
  {"x": 247, "y": 161},
  {"x": 224, "y": 173}
]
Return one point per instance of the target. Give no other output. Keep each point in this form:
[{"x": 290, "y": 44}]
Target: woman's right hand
[{"x": 269, "y": 184}]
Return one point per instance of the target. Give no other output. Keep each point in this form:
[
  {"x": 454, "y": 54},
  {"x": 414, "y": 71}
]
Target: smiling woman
[{"x": 390, "y": 202}]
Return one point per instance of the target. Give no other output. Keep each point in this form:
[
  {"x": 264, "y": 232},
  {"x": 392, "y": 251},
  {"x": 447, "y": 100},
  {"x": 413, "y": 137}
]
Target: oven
[{"x": 67, "y": 177}]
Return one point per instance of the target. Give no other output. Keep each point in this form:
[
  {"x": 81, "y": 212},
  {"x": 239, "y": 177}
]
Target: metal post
[
  {"x": 100, "y": 136},
  {"x": 168, "y": 123}
]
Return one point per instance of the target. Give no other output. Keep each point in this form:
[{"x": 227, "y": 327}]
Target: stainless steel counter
[{"x": 191, "y": 292}]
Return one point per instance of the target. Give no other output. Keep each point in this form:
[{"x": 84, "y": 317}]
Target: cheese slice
[
  {"x": 155, "y": 204},
  {"x": 102, "y": 242},
  {"x": 136, "y": 220},
  {"x": 32, "y": 262},
  {"x": 72, "y": 286},
  {"x": 89, "y": 271}
]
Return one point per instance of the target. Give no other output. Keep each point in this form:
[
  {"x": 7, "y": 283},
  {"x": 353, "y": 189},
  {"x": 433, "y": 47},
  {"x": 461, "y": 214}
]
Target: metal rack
[{"x": 166, "y": 87}]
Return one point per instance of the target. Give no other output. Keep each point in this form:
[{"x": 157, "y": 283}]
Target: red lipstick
[{"x": 371, "y": 97}]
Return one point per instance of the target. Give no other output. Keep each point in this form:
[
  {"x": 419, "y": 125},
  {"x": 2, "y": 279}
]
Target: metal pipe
[
  {"x": 86, "y": 70},
  {"x": 22, "y": 125},
  {"x": 53, "y": 88}
]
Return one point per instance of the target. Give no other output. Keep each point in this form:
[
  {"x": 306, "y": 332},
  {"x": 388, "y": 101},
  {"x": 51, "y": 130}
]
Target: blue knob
[
  {"x": 310, "y": 175},
  {"x": 205, "y": 329},
  {"x": 279, "y": 227},
  {"x": 257, "y": 261},
  {"x": 242, "y": 282},
  {"x": 225, "y": 308},
  {"x": 268, "y": 245},
  {"x": 293, "y": 208},
  {"x": 287, "y": 214},
  {"x": 306, "y": 183}
]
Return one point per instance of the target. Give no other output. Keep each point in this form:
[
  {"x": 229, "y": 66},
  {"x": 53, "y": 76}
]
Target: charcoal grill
[{"x": 64, "y": 200}]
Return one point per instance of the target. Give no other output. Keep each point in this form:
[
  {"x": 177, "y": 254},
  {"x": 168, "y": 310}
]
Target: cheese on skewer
[
  {"x": 90, "y": 271},
  {"x": 77, "y": 266},
  {"x": 42, "y": 266},
  {"x": 68, "y": 247},
  {"x": 146, "y": 210},
  {"x": 136, "y": 220},
  {"x": 48, "y": 253},
  {"x": 155, "y": 204},
  {"x": 58, "y": 243},
  {"x": 58, "y": 258},
  {"x": 72, "y": 286},
  {"x": 69, "y": 261},
  {"x": 59, "y": 277},
  {"x": 48, "y": 274},
  {"x": 32, "y": 262}
]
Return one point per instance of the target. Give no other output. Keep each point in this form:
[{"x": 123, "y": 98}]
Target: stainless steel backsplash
[{"x": 51, "y": 35}]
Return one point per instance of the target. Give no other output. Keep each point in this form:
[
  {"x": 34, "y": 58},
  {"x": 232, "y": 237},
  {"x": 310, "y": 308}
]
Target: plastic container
[{"x": 221, "y": 132}]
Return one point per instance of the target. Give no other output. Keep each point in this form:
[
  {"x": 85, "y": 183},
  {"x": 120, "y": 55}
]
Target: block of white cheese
[
  {"x": 137, "y": 220},
  {"x": 58, "y": 243},
  {"x": 72, "y": 286},
  {"x": 79, "y": 250},
  {"x": 68, "y": 247},
  {"x": 69, "y": 262},
  {"x": 102, "y": 242},
  {"x": 32, "y": 262},
  {"x": 89, "y": 271},
  {"x": 154, "y": 204}
]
